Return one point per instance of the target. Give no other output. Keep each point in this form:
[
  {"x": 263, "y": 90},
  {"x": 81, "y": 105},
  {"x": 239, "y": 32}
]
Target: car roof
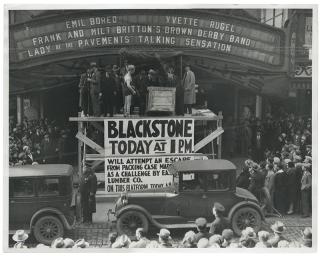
[
  {"x": 40, "y": 170},
  {"x": 201, "y": 165}
]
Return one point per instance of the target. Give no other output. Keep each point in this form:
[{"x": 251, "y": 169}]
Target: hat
[
  {"x": 20, "y": 236},
  {"x": 25, "y": 148},
  {"x": 81, "y": 243},
  {"x": 122, "y": 241},
  {"x": 296, "y": 158},
  {"x": 152, "y": 72},
  {"x": 227, "y": 234},
  {"x": 68, "y": 243},
  {"x": 19, "y": 246},
  {"x": 283, "y": 244},
  {"x": 93, "y": 64},
  {"x": 115, "y": 68},
  {"x": 263, "y": 235},
  {"x": 203, "y": 243},
  {"x": 219, "y": 207},
  {"x": 248, "y": 232},
  {"x": 57, "y": 243},
  {"x": 131, "y": 67},
  {"x": 201, "y": 222},
  {"x": 308, "y": 159},
  {"x": 278, "y": 227},
  {"x": 276, "y": 160},
  {"x": 215, "y": 239},
  {"x": 164, "y": 234},
  {"x": 287, "y": 161},
  {"x": 42, "y": 246},
  {"x": 307, "y": 234},
  {"x": 214, "y": 245},
  {"x": 189, "y": 237}
]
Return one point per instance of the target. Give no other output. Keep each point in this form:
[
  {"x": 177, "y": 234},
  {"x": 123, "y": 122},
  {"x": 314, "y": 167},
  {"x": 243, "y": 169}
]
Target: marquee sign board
[{"x": 110, "y": 30}]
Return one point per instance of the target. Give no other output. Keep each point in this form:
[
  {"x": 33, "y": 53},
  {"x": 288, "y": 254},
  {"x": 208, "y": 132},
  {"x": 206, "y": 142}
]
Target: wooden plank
[
  {"x": 208, "y": 139},
  {"x": 90, "y": 143},
  {"x": 101, "y": 119},
  {"x": 100, "y": 156}
]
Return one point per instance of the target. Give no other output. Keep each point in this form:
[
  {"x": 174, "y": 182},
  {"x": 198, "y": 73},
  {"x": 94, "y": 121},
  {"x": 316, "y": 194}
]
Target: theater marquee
[{"x": 109, "y": 31}]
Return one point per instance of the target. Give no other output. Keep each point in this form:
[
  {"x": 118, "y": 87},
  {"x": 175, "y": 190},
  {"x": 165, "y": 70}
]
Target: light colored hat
[
  {"x": 68, "y": 243},
  {"x": 276, "y": 160},
  {"x": 278, "y": 227},
  {"x": 214, "y": 245},
  {"x": 203, "y": 243},
  {"x": 57, "y": 243},
  {"x": 248, "y": 233},
  {"x": 20, "y": 236},
  {"x": 219, "y": 207},
  {"x": 283, "y": 244},
  {"x": 215, "y": 239},
  {"x": 131, "y": 67},
  {"x": 122, "y": 241},
  {"x": 287, "y": 161},
  {"x": 25, "y": 148},
  {"x": 189, "y": 237},
  {"x": 42, "y": 246},
  {"x": 164, "y": 234},
  {"x": 227, "y": 234},
  {"x": 263, "y": 235},
  {"x": 307, "y": 234},
  {"x": 81, "y": 243}
]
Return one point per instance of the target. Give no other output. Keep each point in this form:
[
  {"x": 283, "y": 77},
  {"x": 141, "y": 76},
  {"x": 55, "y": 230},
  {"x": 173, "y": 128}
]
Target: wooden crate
[{"x": 161, "y": 99}]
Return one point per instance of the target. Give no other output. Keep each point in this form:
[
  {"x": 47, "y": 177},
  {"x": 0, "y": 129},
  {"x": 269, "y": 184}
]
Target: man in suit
[
  {"x": 95, "y": 89},
  {"x": 189, "y": 85},
  {"x": 220, "y": 223},
  {"x": 88, "y": 189},
  {"x": 109, "y": 91}
]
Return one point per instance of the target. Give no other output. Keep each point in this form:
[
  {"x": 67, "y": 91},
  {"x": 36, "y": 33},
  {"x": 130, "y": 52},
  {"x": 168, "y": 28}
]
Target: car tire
[
  {"x": 245, "y": 217},
  {"x": 129, "y": 221},
  {"x": 47, "y": 228}
]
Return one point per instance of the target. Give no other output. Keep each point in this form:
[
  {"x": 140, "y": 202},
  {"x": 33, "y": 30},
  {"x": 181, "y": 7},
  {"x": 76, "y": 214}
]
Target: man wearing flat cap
[
  {"x": 201, "y": 224},
  {"x": 95, "y": 88},
  {"x": 220, "y": 223}
]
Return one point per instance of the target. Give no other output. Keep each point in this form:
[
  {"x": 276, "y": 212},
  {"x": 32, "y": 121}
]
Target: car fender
[
  {"x": 135, "y": 207},
  {"x": 50, "y": 210},
  {"x": 244, "y": 204}
]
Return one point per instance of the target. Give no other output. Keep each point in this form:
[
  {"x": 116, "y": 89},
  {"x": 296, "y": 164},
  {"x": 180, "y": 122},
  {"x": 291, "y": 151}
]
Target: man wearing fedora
[
  {"x": 278, "y": 229},
  {"x": 220, "y": 223},
  {"x": 164, "y": 238},
  {"x": 189, "y": 85},
  {"x": 109, "y": 90},
  {"x": 306, "y": 237},
  {"x": 88, "y": 189},
  {"x": 201, "y": 224},
  {"x": 20, "y": 237},
  {"x": 95, "y": 88}
]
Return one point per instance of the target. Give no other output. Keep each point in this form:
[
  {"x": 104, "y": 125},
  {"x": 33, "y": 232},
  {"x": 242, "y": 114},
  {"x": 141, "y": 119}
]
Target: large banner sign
[
  {"x": 139, "y": 151},
  {"x": 240, "y": 38}
]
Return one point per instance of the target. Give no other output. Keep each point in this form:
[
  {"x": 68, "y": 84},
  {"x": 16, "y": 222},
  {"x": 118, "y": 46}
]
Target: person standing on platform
[
  {"x": 129, "y": 90},
  {"x": 84, "y": 93},
  {"x": 109, "y": 91},
  {"x": 95, "y": 89},
  {"x": 117, "y": 79},
  {"x": 142, "y": 91},
  {"x": 189, "y": 85},
  {"x": 88, "y": 189}
]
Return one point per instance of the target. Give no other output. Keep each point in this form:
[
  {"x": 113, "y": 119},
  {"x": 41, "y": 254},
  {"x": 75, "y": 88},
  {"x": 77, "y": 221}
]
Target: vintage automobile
[
  {"x": 40, "y": 198},
  {"x": 196, "y": 186}
]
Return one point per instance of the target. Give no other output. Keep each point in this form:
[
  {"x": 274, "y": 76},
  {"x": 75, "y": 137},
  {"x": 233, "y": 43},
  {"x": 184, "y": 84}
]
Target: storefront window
[{"x": 274, "y": 17}]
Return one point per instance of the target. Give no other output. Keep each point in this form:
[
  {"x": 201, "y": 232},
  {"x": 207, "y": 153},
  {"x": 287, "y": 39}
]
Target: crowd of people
[
  {"x": 39, "y": 142},
  {"x": 280, "y": 170},
  {"x": 219, "y": 235},
  {"x": 109, "y": 90}
]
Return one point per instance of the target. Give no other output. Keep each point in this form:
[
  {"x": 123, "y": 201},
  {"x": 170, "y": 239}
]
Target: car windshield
[{"x": 204, "y": 181}]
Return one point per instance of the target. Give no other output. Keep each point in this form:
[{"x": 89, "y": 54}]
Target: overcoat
[{"x": 189, "y": 85}]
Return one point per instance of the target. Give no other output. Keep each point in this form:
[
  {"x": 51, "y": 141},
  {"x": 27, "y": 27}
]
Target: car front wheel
[
  {"x": 246, "y": 217},
  {"x": 48, "y": 228},
  {"x": 129, "y": 221}
]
